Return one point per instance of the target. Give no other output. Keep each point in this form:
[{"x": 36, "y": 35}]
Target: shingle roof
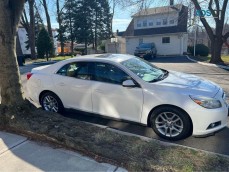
[
  {"x": 159, "y": 10},
  {"x": 180, "y": 27}
]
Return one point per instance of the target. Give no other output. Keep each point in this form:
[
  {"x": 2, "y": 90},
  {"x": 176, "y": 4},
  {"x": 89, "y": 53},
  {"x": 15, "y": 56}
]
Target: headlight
[{"x": 207, "y": 102}]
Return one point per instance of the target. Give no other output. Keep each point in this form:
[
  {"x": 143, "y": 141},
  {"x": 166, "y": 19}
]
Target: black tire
[
  {"x": 184, "y": 120},
  {"x": 56, "y": 98}
]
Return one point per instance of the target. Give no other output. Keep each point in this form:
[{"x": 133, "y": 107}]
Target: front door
[{"x": 110, "y": 98}]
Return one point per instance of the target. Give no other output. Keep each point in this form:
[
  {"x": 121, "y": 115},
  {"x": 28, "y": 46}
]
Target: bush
[{"x": 201, "y": 50}]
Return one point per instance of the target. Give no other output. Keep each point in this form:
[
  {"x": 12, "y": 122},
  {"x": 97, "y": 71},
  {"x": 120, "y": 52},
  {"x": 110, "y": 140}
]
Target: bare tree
[
  {"x": 11, "y": 92},
  {"x": 59, "y": 12},
  {"x": 32, "y": 29},
  {"x": 44, "y": 3},
  {"x": 216, "y": 35}
]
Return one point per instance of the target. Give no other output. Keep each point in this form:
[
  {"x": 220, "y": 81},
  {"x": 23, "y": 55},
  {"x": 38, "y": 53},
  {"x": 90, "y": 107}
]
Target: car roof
[{"x": 103, "y": 57}]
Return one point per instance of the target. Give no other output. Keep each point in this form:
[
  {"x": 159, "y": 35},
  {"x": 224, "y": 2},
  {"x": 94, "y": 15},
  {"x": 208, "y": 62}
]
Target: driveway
[{"x": 217, "y": 143}]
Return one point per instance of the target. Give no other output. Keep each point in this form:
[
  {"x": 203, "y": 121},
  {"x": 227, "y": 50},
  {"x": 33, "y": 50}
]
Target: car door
[
  {"x": 73, "y": 84},
  {"x": 110, "y": 98}
]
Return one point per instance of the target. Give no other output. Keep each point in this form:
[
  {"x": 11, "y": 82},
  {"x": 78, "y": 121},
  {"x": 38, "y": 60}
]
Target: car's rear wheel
[
  {"x": 51, "y": 102},
  {"x": 171, "y": 123}
]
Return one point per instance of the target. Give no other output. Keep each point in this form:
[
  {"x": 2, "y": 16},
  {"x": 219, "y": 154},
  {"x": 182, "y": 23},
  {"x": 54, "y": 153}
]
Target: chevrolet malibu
[{"x": 175, "y": 105}]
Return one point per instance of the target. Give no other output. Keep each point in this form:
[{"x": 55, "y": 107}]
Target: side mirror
[{"x": 128, "y": 83}]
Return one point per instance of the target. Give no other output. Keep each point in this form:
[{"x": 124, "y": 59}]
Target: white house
[
  {"x": 165, "y": 26},
  {"x": 22, "y": 38}
]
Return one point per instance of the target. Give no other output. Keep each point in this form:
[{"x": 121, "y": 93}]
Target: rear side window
[{"x": 79, "y": 70}]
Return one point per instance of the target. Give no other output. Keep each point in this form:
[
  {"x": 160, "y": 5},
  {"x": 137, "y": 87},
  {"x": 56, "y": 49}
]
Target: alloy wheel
[{"x": 169, "y": 124}]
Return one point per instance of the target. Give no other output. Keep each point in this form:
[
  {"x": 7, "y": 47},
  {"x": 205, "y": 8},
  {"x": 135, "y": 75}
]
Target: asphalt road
[{"x": 218, "y": 143}]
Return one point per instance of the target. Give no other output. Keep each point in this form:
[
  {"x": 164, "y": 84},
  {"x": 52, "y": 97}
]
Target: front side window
[
  {"x": 79, "y": 70},
  {"x": 109, "y": 73},
  {"x": 144, "y": 70}
]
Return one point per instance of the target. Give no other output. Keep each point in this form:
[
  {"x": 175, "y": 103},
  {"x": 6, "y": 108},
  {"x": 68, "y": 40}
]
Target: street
[{"x": 217, "y": 143}]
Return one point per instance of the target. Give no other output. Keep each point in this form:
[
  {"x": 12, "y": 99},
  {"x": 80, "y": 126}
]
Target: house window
[
  {"x": 165, "y": 40},
  {"x": 150, "y": 23},
  {"x": 171, "y": 22},
  {"x": 144, "y": 23},
  {"x": 164, "y": 21},
  {"x": 139, "y": 23},
  {"x": 158, "y": 23}
]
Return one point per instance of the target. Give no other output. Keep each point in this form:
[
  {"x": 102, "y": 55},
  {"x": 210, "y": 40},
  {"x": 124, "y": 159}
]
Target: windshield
[
  {"x": 145, "y": 70},
  {"x": 145, "y": 45}
]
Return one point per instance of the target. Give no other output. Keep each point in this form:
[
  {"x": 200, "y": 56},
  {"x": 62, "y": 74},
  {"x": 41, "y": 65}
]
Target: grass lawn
[
  {"x": 57, "y": 58},
  {"x": 207, "y": 59}
]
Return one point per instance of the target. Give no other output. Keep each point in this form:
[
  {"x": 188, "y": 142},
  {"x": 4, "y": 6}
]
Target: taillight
[{"x": 29, "y": 75}]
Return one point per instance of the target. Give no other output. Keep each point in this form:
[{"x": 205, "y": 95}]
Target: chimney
[{"x": 171, "y": 2}]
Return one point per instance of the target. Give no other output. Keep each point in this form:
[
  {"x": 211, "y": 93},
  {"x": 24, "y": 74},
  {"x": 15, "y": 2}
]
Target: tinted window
[
  {"x": 109, "y": 73},
  {"x": 78, "y": 70}
]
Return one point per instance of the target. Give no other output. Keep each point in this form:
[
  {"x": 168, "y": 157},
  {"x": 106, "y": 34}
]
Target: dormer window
[
  {"x": 144, "y": 23},
  {"x": 158, "y": 23},
  {"x": 139, "y": 24},
  {"x": 164, "y": 21},
  {"x": 151, "y": 23},
  {"x": 171, "y": 21}
]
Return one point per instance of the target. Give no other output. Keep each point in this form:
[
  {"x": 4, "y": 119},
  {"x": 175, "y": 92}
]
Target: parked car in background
[
  {"x": 146, "y": 51},
  {"x": 120, "y": 86}
]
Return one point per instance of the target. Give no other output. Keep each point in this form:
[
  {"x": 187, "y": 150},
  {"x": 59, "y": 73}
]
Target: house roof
[
  {"x": 180, "y": 27},
  {"x": 159, "y": 10}
]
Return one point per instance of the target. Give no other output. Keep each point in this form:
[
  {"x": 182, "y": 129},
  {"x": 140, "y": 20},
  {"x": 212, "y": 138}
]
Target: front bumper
[
  {"x": 207, "y": 121},
  {"x": 142, "y": 55}
]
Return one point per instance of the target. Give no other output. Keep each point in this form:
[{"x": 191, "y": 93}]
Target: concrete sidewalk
[{"x": 19, "y": 154}]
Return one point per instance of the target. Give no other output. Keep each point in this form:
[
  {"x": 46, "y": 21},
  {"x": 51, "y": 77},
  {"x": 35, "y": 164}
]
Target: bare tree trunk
[
  {"x": 11, "y": 92},
  {"x": 48, "y": 19},
  {"x": 32, "y": 29},
  {"x": 48, "y": 23},
  {"x": 216, "y": 46},
  {"x": 59, "y": 19},
  {"x": 72, "y": 37}
]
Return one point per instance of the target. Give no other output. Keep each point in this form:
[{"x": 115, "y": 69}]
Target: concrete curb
[
  {"x": 207, "y": 64},
  {"x": 158, "y": 141}
]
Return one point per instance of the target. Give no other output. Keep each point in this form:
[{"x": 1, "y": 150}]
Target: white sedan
[{"x": 174, "y": 104}]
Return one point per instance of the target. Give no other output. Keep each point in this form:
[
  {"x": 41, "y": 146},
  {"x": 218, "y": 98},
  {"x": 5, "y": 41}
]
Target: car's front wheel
[
  {"x": 51, "y": 102},
  {"x": 171, "y": 123}
]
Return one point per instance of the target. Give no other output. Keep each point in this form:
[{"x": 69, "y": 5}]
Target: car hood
[{"x": 190, "y": 84}]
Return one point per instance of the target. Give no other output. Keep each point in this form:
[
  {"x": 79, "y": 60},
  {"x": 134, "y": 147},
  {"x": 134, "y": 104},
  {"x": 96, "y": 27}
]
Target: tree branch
[
  {"x": 216, "y": 16},
  {"x": 223, "y": 11},
  {"x": 203, "y": 20},
  {"x": 226, "y": 36}
]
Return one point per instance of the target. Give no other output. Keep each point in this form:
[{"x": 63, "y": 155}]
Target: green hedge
[{"x": 201, "y": 50}]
